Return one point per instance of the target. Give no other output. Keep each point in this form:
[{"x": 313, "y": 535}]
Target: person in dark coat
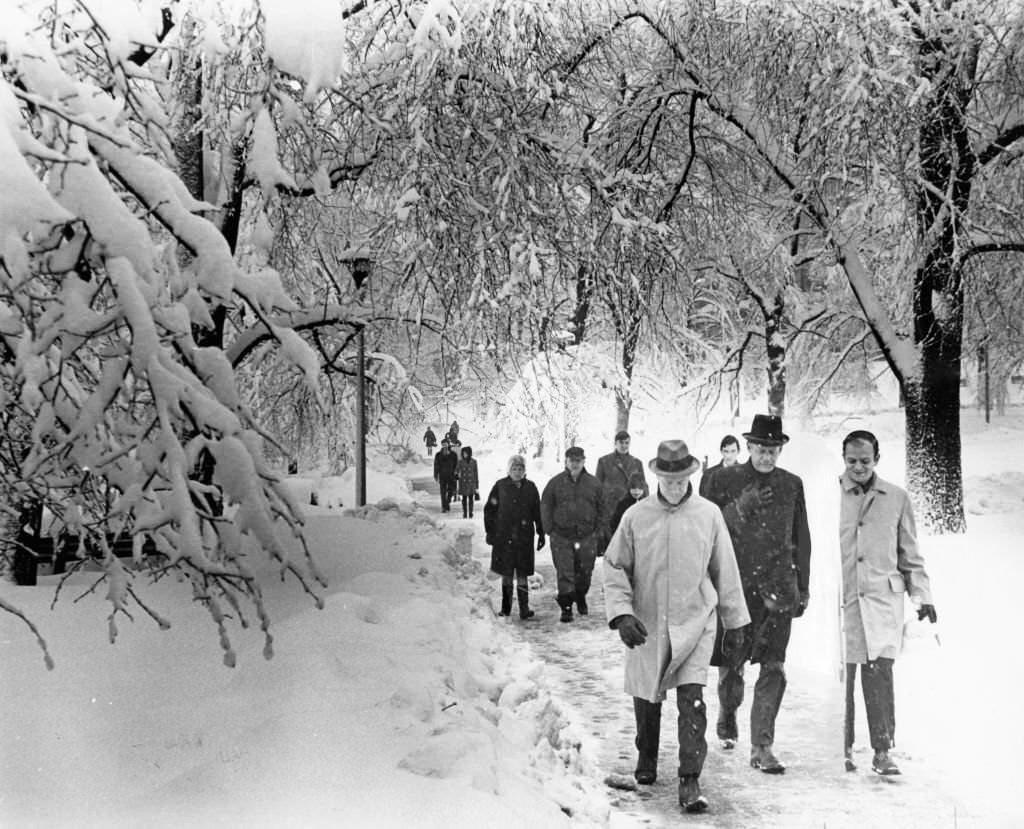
[
  {"x": 430, "y": 439},
  {"x": 511, "y": 519},
  {"x": 881, "y": 563},
  {"x": 445, "y": 465},
  {"x": 468, "y": 480},
  {"x": 572, "y": 511},
  {"x": 613, "y": 472},
  {"x": 637, "y": 490},
  {"x": 766, "y": 514},
  {"x": 730, "y": 449}
]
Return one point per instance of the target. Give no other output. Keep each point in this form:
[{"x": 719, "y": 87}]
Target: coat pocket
[{"x": 896, "y": 583}]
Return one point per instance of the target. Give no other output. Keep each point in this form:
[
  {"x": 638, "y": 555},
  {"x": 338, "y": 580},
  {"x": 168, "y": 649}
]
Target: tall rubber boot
[
  {"x": 523, "y": 594},
  {"x": 648, "y": 735},
  {"x": 506, "y": 600}
]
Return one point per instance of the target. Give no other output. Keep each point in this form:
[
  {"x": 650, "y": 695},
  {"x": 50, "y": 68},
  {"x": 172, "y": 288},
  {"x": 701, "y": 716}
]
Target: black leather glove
[
  {"x": 476, "y": 496},
  {"x": 733, "y": 642},
  {"x": 489, "y": 539},
  {"x": 540, "y": 541},
  {"x": 631, "y": 631},
  {"x": 801, "y": 605},
  {"x": 753, "y": 497},
  {"x": 927, "y": 611}
]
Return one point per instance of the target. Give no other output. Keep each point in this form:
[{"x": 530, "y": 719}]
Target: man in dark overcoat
[
  {"x": 613, "y": 472},
  {"x": 572, "y": 511},
  {"x": 445, "y": 464},
  {"x": 766, "y": 514},
  {"x": 511, "y": 519}
]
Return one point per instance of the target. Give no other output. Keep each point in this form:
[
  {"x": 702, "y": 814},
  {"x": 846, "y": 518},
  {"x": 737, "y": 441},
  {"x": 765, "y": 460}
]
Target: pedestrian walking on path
[
  {"x": 445, "y": 465},
  {"x": 669, "y": 570},
  {"x": 511, "y": 520},
  {"x": 572, "y": 512},
  {"x": 613, "y": 472},
  {"x": 765, "y": 512},
  {"x": 881, "y": 563}
]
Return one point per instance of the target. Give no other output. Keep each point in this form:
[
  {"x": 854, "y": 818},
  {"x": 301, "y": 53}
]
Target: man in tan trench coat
[
  {"x": 881, "y": 562},
  {"x": 668, "y": 568}
]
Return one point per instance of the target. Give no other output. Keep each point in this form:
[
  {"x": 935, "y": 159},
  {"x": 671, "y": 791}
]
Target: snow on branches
[{"x": 112, "y": 412}]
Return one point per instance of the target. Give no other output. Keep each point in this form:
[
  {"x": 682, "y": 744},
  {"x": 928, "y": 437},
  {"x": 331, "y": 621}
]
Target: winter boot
[
  {"x": 761, "y": 757},
  {"x": 523, "y": 595},
  {"x": 506, "y": 600},
  {"x": 690, "y": 797},
  {"x": 883, "y": 764},
  {"x": 581, "y": 602},
  {"x": 565, "y": 602},
  {"x": 648, "y": 735}
]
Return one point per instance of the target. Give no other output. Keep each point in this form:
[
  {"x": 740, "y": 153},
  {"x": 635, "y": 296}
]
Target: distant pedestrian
[
  {"x": 766, "y": 514},
  {"x": 453, "y": 432},
  {"x": 572, "y": 512},
  {"x": 637, "y": 490},
  {"x": 668, "y": 572},
  {"x": 468, "y": 480},
  {"x": 445, "y": 465},
  {"x": 511, "y": 520},
  {"x": 612, "y": 472},
  {"x": 430, "y": 439},
  {"x": 730, "y": 451},
  {"x": 881, "y": 562}
]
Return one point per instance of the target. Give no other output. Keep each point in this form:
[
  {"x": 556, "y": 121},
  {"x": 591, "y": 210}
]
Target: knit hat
[
  {"x": 516, "y": 460},
  {"x": 637, "y": 481},
  {"x": 574, "y": 452}
]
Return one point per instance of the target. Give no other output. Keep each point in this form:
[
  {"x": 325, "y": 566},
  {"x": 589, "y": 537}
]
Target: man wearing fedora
[
  {"x": 614, "y": 471},
  {"x": 572, "y": 513},
  {"x": 669, "y": 570},
  {"x": 765, "y": 512}
]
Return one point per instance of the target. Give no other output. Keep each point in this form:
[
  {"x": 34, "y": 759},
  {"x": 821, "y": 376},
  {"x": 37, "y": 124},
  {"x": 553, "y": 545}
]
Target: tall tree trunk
[{"x": 948, "y": 165}]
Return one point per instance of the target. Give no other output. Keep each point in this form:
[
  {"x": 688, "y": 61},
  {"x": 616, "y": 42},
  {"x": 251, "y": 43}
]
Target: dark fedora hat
[
  {"x": 767, "y": 429},
  {"x": 674, "y": 459}
]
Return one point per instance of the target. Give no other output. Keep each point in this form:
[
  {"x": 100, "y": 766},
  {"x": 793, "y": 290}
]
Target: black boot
[
  {"x": 648, "y": 734},
  {"x": 523, "y": 594},
  {"x": 565, "y": 602},
  {"x": 581, "y": 602},
  {"x": 506, "y": 600},
  {"x": 690, "y": 797}
]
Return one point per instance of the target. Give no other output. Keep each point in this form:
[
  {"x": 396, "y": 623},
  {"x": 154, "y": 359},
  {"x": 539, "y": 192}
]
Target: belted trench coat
[
  {"x": 881, "y": 562},
  {"x": 672, "y": 567}
]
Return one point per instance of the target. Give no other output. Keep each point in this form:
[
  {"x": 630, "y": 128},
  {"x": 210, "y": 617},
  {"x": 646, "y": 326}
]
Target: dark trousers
[
  {"x": 879, "y": 702},
  {"x": 691, "y": 726},
  {"x": 574, "y": 566},
  {"x": 768, "y": 692},
  {"x": 467, "y": 506},
  {"x": 447, "y": 492}
]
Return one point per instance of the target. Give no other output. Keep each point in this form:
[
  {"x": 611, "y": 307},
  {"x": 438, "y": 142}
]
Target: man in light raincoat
[
  {"x": 667, "y": 570},
  {"x": 878, "y": 544}
]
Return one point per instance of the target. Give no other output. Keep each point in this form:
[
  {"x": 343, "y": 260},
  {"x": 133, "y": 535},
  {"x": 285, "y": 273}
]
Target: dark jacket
[
  {"x": 469, "y": 479},
  {"x": 613, "y": 471},
  {"x": 705, "y": 479},
  {"x": 573, "y": 509},
  {"x": 620, "y": 510},
  {"x": 511, "y": 518},
  {"x": 773, "y": 544},
  {"x": 444, "y": 465}
]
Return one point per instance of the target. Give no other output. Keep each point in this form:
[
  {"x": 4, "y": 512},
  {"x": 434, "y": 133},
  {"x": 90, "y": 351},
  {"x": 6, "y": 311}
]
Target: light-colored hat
[
  {"x": 674, "y": 460},
  {"x": 516, "y": 460}
]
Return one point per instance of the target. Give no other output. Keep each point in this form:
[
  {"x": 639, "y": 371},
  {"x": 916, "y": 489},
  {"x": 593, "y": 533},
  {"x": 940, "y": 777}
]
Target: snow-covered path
[{"x": 585, "y": 664}]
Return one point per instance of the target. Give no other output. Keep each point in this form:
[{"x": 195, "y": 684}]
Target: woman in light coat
[
  {"x": 880, "y": 563},
  {"x": 667, "y": 570}
]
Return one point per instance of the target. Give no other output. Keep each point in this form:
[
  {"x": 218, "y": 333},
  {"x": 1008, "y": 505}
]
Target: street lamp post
[{"x": 361, "y": 269}]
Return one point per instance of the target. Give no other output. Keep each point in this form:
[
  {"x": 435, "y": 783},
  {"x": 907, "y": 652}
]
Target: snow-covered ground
[{"x": 407, "y": 702}]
